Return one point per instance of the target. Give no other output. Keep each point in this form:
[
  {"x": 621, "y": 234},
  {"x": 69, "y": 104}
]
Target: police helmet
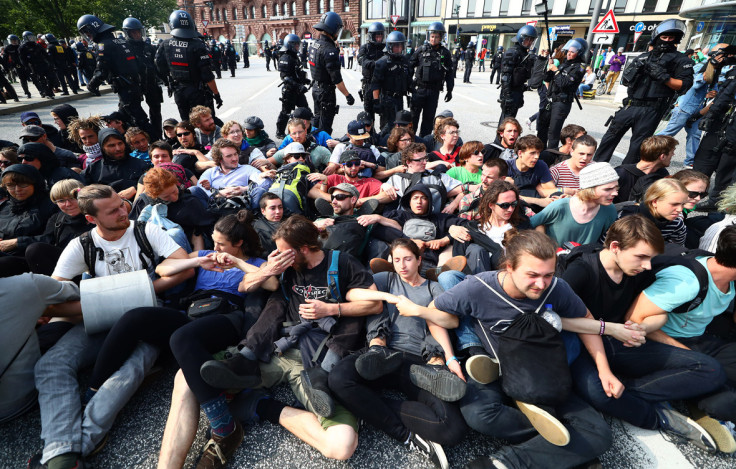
[
  {"x": 291, "y": 43},
  {"x": 436, "y": 27},
  {"x": 50, "y": 39},
  {"x": 132, "y": 24},
  {"x": 578, "y": 45},
  {"x": 80, "y": 47},
  {"x": 62, "y": 41},
  {"x": 182, "y": 25},
  {"x": 13, "y": 37},
  {"x": 395, "y": 38},
  {"x": 330, "y": 23},
  {"x": 374, "y": 30},
  {"x": 500, "y": 48},
  {"x": 213, "y": 42},
  {"x": 28, "y": 36},
  {"x": 90, "y": 26},
  {"x": 670, "y": 27},
  {"x": 526, "y": 32}
]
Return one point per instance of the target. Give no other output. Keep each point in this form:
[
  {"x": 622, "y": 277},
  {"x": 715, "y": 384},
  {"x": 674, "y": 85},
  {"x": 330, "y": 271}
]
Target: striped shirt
[
  {"x": 675, "y": 231},
  {"x": 563, "y": 176}
]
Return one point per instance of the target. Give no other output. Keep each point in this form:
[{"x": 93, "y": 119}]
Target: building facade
[
  {"x": 412, "y": 16},
  {"x": 711, "y": 22}
]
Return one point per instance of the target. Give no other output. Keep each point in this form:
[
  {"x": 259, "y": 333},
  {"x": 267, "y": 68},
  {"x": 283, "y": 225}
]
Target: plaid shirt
[{"x": 464, "y": 210}]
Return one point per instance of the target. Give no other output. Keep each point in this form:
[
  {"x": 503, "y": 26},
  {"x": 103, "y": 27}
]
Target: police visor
[{"x": 572, "y": 46}]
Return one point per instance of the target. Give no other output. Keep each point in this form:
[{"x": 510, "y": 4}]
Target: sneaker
[
  {"x": 719, "y": 431},
  {"x": 378, "y": 361},
  {"x": 236, "y": 372},
  {"x": 244, "y": 404},
  {"x": 219, "y": 449},
  {"x": 323, "y": 207},
  {"x": 381, "y": 265},
  {"x": 439, "y": 381},
  {"x": 433, "y": 451},
  {"x": 314, "y": 381},
  {"x": 35, "y": 463},
  {"x": 675, "y": 423},
  {"x": 482, "y": 368},
  {"x": 548, "y": 426},
  {"x": 529, "y": 124},
  {"x": 368, "y": 208}
]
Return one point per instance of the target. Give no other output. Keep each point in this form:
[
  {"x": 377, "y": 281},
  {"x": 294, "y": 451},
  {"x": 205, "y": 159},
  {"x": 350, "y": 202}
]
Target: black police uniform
[
  {"x": 71, "y": 65},
  {"x": 516, "y": 68},
  {"x": 57, "y": 57},
  {"x": 294, "y": 87},
  {"x": 275, "y": 52},
  {"x": 146, "y": 56},
  {"x": 34, "y": 58},
  {"x": 188, "y": 66},
  {"x": 304, "y": 54},
  {"x": 717, "y": 150},
  {"x": 368, "y": 54},
  {"x": 5, "y": 84},
  {"x": 324, "y": 65},
  {"x": 11, "y": 59},
  {"x": 244, "y": 54},
  {"x": 230, "y": 57},
  {"x": 216, "y": 54},
  {"x": 391, "y": 78},
  {"x": 455, "y": 59},
  {"x": 267, "y": 54},
  {"x": 469, "y": 61},
  {"x": 431, "y": 67},
  {"x": 648, "y": 100},
  {"x": 496, "y": 66},
  {"x": 563, "y": 85},
  {"x": 86, "y": 62}
]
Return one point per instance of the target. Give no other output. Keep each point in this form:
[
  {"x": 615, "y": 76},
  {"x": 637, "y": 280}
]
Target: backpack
[
  {"x": 675, "y": 254},
  {"x": 420, "y": 228},
  {"x": 539, "y": 71},
  {"x": 92, "y": 252},
  {"x": 156, "y": 214},
  {"x": 292, "y": 178},
  {"x": 438, "y": 191},
  {"x": 568, "y": 254},
  {"x": 347, "y": 235},
  {"x": 642, "y": 184},
  {"x": 222, "y": 206},
  {"x": 333, "y": 279}
]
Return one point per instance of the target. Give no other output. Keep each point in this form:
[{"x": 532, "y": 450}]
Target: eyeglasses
[
  {"x": 507, "y": 205},
  {"x": 64, "y": 201},
  {"x": 408, "y": 139},
  {"x": 417, "y": 160},
  {"x": 183, "y": 134},
  {"x": 26, "y": 158},
  {"x": 235, "y": 132},
  {"x": 340, "y": 197},
  {"x": 453, "y": 132},
  {"x": 695, "y": 194},
  {"x": 352, "y": 164},
  {"x": 13, "y": 186}
]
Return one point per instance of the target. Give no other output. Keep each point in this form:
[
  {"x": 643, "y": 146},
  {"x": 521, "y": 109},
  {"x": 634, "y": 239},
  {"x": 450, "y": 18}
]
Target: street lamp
[{"x": 456, "y": 10}]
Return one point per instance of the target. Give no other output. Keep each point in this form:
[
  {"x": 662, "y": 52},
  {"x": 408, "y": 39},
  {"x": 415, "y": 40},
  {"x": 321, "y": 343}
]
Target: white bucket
[{"x": 105, "y": 299}]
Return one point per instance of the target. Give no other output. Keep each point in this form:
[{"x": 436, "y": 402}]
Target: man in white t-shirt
[{"x": 70, "y": 432}]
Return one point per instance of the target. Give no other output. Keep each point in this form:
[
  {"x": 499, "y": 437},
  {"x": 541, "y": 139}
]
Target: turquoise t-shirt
[
  {"x": 562, "y": 227},
  {"x": 678, "y": 285}
]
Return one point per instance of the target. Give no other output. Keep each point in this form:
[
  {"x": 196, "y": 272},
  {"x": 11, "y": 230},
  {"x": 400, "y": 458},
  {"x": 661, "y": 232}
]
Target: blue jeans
[
  {"x": 583, "y": 87},
  {"x": 466, "y": 337},
  {"x": 488, "y": 410},
  {"x": 65, "y": 428},
  {"x": 677, "y": 122},
  {"x": 652, "y": 373}
]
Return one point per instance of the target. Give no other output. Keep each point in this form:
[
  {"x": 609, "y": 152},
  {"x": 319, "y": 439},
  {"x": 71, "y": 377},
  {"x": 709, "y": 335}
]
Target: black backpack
[
  {"x": 347, "y": 235},
  {"x": 569, "y": 253},
  {"x": 92, "y": 252},
  {"x": 675, "y": 254}
]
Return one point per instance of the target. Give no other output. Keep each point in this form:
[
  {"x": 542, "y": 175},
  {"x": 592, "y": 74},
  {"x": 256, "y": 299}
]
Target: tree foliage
[{"x": 60, "y": 16}]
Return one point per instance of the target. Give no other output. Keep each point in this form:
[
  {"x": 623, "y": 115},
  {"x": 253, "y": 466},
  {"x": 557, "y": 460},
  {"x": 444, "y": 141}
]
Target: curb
[{"x": 8, "y": 109}]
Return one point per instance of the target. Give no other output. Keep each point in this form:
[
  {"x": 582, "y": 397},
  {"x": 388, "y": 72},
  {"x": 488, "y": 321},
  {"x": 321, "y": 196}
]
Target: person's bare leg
[
  {"x": 337, "y": 442},
  {"x": 181, "y": 425},
  {"x": 444, "y": 256}
]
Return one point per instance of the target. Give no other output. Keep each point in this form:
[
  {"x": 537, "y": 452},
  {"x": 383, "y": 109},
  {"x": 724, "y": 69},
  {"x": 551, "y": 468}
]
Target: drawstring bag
[{"x": 532, "y": 357}]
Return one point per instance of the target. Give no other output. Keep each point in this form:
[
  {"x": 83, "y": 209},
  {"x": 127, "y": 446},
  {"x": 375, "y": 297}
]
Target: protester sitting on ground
[
  {"x": 663, "y": 203},
  {"x": 116, "y": 120},
  {"x": 161, "y": 153},
  {"x": 320, "y": 136},
  {"x": 8, "y": 157},
  {"x": 530, "y": 175},
  {"x": 319, "y": 156},
  {"x": 566, "y": 174},
  {"x": 585, "y": 217},
  {"x": 398, "y": 140},
  {"x": 447, "y": 132},
  {"x": 31, "y": 118},
  {"x": 397, "y": 344},
  {"x": 296, "y": 165},
  {"x": 507, "y": 134},
  {"x": 368, "y": 153},
  {"x": 84, "y": 133},
  {"x": 469, "y": 164},
  {"x": 169, "y": 127},
  {"x": 139, "y": 141},
  {"x": 568, "y": 134},
  {"x": 727, "y": 206},
  {"x": 492, "y": 170},
  {"x": 402, "y": 119},
  {"x": 206, "y": 130},
  {"x": 608, "y": 280},
  {"x": 188, "y": 152},
  {"x": 679, "y": 285},
  {"x": 67, "y": 159},
  {"x": 272, "y": 213},
  {"x": 369, "y": 188},
  {"x": 696, "y": 184},
  {"x": 63, "y": 115},
  {"x": 655, "y": 155},
  {"x": 258, "y": 138},
  {"x": 116, "y": 167},
  {"x": 429, "y": 140},
  {"x": 40, "y": 157},
  {"x": 233, "y": 131}
]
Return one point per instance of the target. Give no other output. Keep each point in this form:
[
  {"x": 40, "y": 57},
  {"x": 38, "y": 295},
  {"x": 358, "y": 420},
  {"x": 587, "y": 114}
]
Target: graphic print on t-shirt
[
  {"x": 310, "y": 292},
  {"x": 116, "y": 261}
]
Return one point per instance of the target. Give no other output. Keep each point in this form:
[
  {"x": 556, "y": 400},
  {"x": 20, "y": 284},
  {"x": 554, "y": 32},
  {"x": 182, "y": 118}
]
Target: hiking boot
[
  {"x": 219, "y": 449},
  {"x": 314, "y": 381},
  {"x": 439, "y": 381},
  {"x": 482, "y": 368},
  {"x": 236, "y": 372},
  {"x": 548, "y": 426},
  {"x": 455, "y": 263},
  {"x": 369, "y": 207},
  {"x": 433, "y": 451},
  {"x": 244, "y": 404},
  {"x": 35, "y": 462},
  {"x": 675, "y": 423},
  {"x": 381, "y": 265},
  {"x": 324, "y": 208},
  {"x": 378, "y": 361}
]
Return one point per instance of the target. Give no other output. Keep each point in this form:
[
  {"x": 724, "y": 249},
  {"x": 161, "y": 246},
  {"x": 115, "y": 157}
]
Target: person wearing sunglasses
[
  {"x": 340, "y": 224},
  {"x": 655, "y": 155},
  {"x": 696, "y": 184},
  {"x": 43, "y": 159},
  {"x": 369, "y": 188},
  {"x": 188, "y": 152},
  {"x": 66, "y": 158},
  {"x": 358, "y": 140}
]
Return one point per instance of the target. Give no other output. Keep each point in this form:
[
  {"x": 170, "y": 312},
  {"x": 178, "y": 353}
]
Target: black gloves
[
  {"x": 218, "y": 100},
  {"x": 448, "y": 96},
  {"x": 349, "y": 98}
]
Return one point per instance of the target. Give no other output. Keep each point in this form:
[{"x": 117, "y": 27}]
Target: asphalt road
[{"x": 135, "y": 438}]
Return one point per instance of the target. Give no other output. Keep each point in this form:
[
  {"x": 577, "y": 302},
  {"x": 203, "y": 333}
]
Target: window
[
  {"x": 674, "y": 6},
  {"x": 320, "y": 6},
  {"x": 376, "y": 9},
  {"x": 471, "y": 9},
  {"x": 264, "y": 11},
  {"x": 284, "y": 9},
  {"x": 526, "y": 6},
  {"x": 217, "y": 15},
  {"x": 245, "y": 13},
  {"x": 275, "y": 9},
  {"x": 331, "y": 5},
  {"x": 429, "y": 7},
  {"x": 292, "y": 12},
  {"x": 306, "y": 7},
  {"x": 253, "y": 12},
  {"x": 619, "y": 6},
  {"x": 570, "y": 7},
  {"x": 346, "y": 5},
  {"x": 455, "y": 8},
  {"x": 504, "y": 8},
  {"x": 649, "y": 6},
  {"x": 224, "y": 14},
  {"x": 487, "y": 5}
]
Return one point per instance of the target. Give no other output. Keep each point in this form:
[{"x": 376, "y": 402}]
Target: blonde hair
[
  {"x": 587, "y": 195},
  {"x": 65, "y": 189},
  {"x": 226, "y": 127},
  {"x": 727, "y": 203},
  {"x": 662, "y": 188}
]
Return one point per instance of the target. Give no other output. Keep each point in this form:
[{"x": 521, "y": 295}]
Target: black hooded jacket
[
  {"x": 120, "y": 174},
  {"x": 51, "y": 169},
  {"x": 66, "y": 113}
]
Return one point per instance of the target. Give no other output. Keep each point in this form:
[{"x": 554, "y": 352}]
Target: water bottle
[{"x": 551, "y": 317}]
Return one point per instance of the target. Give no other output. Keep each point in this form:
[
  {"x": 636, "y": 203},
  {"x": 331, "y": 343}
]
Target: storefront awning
[
  {"x": 421, "y": 23},
  {"x": 367, "y": 24}
]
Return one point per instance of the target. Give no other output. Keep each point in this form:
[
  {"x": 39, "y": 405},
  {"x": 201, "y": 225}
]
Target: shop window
[
  {"x": 649, "y": 6},
  {"x": 674, "y": 6},
  {"x": 570, "y": 7},
  {"x": 620, "y": 6}
]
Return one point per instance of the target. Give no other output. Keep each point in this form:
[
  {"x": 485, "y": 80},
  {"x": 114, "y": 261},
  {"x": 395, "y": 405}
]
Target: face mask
[{"x": 94, "y": 151}]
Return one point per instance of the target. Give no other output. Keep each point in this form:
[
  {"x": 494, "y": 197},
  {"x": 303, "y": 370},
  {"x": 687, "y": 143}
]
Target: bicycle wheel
[{"x": 601, "y": 88}]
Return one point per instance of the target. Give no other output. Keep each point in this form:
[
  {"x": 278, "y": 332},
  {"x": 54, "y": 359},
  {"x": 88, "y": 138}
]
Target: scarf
[
  {"x": 257, "y": 140},
  {"x": 94, "y": 152}
]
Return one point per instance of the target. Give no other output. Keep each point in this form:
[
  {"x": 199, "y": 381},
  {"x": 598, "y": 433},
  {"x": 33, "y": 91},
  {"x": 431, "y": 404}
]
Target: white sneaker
[{"x": 548, "y": 426}]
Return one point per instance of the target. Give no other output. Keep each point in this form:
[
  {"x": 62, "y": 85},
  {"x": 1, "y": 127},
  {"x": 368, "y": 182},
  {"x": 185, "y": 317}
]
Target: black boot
[
  {"x": 236, "y": 372},
  {"x": 315, "y": 385},
  {"x": 377, "y": 361}
]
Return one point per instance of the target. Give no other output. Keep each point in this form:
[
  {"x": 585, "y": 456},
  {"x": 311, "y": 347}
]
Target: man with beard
[
  {"x": 116, "y": 168},
  {"x": 503, "y": 147},
  {"x": 368, "y": 188},
  {"x": 208, "y": 132},
  {"x": 187, "y": 151}
]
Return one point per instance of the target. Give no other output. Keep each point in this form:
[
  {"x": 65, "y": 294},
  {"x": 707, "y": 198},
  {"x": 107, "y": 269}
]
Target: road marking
[
  {"x": 229, "y": 112},
  {"x": 469, "y": 98},
  {"x": 261, "y": 92}
]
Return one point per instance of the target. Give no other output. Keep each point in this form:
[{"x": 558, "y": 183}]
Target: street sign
[
  {"x": 700, "y": 27},
  {"x": 637, "y": 35},
  {"x": 205, "y": 23},
  {"x": 532, "y": 23},
  {"x": 395, "y": 19},
  {"x": 607, "y": 25},
  {"x": 639, "y": 27},
  {"x": 603, "y": 38}
]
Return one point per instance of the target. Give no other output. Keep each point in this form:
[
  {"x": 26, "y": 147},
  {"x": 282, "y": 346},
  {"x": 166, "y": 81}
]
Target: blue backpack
[
  {"x": 333, "y": 281},
  {"x": 156, "y": 215}
]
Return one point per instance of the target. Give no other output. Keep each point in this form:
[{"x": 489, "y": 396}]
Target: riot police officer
[
  {"x": 390, "y": 81},
  {"x": 57, "y": 57},
  {"x": 294, "y": 82},
  {"x": 85, "y": 60},
  {"x": 230, "y": 57},
  {"x": 11, "y": 57},
  {"x": 516, "y": 68},
  {"x": 244, "y": 54},
  {"x": 469, "y": 61},
  {"x": 496, "y": 65},
  {"x": 431, "y": 66},
  {"x": 368, "y": 54},
  {"x": 653, "y": 80},
  {"x": 33, "y": 57},
  {"x": 216, "y": 54},
  {"x": 185, "y": 62},
  {"x": 563, "y": 86},
  {"x": 146, "y": 56},
  {"x": 324, "y": 65},
  {"x": 303, "y": 53},
  {"x": 267, "y": 55}
]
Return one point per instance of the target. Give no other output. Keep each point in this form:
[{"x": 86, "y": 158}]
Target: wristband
[
  {"x": 603, "y": 328},
  {"x": 451, "y": 359}
]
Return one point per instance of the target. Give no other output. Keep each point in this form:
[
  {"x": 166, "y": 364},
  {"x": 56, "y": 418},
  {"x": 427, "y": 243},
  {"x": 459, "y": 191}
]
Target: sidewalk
[{"x": 37, "y": 101}]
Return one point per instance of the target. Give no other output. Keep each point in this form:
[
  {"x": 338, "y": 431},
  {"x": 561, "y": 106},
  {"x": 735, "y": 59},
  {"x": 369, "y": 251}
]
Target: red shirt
[
  {"x": 366, "y": 186},
  {"x": 449, "y": 158}
]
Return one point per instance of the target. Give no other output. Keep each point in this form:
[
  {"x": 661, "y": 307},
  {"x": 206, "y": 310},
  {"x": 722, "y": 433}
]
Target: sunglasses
[
  {"x": 340, "y": 197},
  {"x": 417, "y": 160},
  {"x": 695, "y": 194},
  {"x": 29, "y": 139},
  {"x": 507, "y": 205},
  {"x": 27, "y": 158},
  {"x": 352, "y": 164},
  {"x": 5, "y": 163},
  {"x": 183, "y": 134}
]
